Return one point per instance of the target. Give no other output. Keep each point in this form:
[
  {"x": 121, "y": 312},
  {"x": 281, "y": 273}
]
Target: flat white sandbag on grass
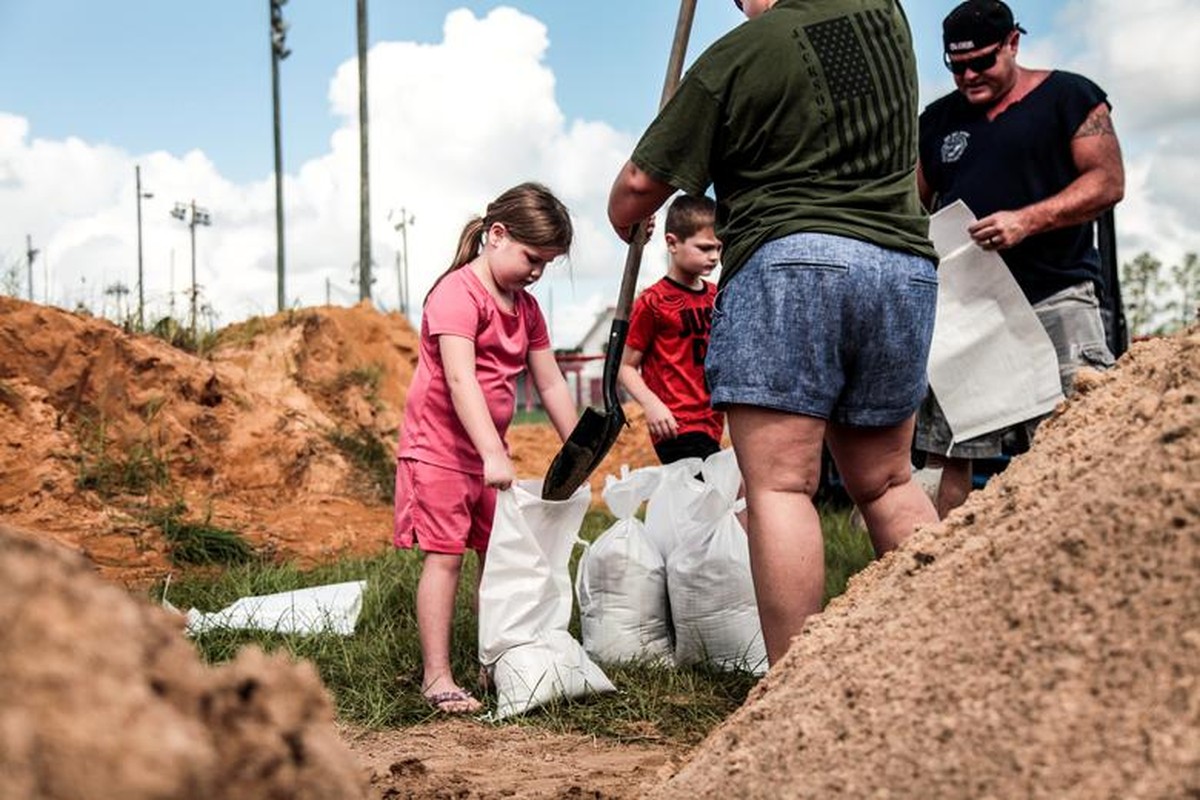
[
  {"x": 709, "y": 583},
  {"x": 670, "y": 513},
  {"x": 621, "y": 581},
  {"x": 318, "y": 609},
  {"x": 525, "y": 601}
]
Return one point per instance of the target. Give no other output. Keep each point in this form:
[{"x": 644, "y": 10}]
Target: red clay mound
[
  {"x": 102, "y": 696},
  {"x": 246, "y": 438},
  {"x": 1043, "y": 642}
]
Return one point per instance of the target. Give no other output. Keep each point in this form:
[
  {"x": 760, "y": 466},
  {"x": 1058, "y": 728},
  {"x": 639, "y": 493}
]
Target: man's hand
[{"x": 1001, "y": 230}]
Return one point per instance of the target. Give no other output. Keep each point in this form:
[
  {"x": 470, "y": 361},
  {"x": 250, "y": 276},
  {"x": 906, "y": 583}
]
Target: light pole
[
  {"x": 364, "y": 197},
  {"x": 30, "y": 254},
  {"x": 405, "y": 219},
  {"x": 279, "y": 51},
  {"x": 137, "y": 172},
  {"x": 193, "y": 215}
]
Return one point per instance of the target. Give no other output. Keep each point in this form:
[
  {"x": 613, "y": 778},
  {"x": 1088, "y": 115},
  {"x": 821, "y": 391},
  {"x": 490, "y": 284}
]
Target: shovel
[{"x": 596, "y": 431}]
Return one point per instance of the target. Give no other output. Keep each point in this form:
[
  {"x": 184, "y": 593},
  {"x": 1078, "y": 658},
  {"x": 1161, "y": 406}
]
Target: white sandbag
[
  {"x": 621, "y": 581},
  {"x": 709, "y": 584},
  {"x": 551, "y": 668},
  {"x": 670, "y": 511},
  {"x": 319, "y": 609},
  {"x": 525, "y": 602}
]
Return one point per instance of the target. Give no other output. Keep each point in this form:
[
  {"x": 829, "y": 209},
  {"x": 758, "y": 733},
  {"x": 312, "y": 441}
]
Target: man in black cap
[{"x": 1034, "y": 155}]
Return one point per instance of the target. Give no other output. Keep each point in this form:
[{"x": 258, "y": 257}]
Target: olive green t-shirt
[{"x": 803, "y": 119}]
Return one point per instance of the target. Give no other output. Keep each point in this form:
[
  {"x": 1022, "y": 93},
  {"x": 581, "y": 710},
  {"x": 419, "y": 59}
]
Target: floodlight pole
[
  {"x": 137, "y": 172},
  {"x": 406, "y": 219},
  {"x": 364, "y": 200},
  {"x": 279, "y": 51},
  {"x": 193, "y": 215},
  {"x": 30, "y": 254}
]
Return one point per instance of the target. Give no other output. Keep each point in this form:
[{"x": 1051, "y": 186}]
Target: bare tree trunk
[{"x": 364, "y": 247}]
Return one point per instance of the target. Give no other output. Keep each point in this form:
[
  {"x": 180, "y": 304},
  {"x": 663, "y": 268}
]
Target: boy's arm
[
  {"x": 458, "y": 363},
  {"x": 552, "y": 388},
  {"x": 659, "y": 419}
]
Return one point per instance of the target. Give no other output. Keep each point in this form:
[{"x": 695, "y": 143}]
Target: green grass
[
  {"x": 847, "y": 549},
  {"x": 375, "y": 675},
  {"x": 533, "y": 416},
  {"x": 198, "y": 543},
  {"x": 371, "y": 459},
  {"x": 135, "y": 468}
]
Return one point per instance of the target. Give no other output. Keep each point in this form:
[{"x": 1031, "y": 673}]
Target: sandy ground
[
  {"x": 1042, "y": 642},
  {"x": 477, "y": 760}
]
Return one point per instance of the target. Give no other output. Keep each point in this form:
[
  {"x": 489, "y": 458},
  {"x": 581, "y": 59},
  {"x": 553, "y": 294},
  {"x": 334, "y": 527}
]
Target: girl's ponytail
[
  {"x": 469, "y": 242},
  {"x": 532, "y": 215}
]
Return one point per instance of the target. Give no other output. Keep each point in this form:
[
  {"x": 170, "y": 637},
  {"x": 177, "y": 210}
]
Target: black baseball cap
[{"x": 977, "y": 23}]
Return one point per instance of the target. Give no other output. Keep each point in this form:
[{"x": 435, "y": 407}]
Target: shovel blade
[{"x": 582, "y": 452}]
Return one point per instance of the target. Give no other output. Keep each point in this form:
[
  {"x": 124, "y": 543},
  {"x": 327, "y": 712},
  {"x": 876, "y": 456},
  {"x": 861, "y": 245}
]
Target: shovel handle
[
  {"x": 637, "y": 243},
  {"x": 683, "y": 28}
]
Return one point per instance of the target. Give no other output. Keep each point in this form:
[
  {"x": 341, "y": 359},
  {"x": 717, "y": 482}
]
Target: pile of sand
[
  {"x": 244, "y": 434},
  {"x": 1042, "y": 642},
  {"x": 102, "y": 696}
]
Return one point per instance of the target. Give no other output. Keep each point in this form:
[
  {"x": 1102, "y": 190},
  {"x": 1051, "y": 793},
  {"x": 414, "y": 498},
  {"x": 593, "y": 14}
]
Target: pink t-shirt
[{"x": 462, "y": 306}]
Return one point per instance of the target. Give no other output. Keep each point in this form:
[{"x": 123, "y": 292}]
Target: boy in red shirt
[{"x": 663, "y": 363}]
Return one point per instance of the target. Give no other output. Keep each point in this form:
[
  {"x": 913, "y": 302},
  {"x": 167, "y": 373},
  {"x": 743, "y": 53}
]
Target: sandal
[{"x": 446, "y": 702}]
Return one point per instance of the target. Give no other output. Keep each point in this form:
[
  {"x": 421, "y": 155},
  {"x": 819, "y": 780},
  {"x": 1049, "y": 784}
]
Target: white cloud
[
  {"x": 452, "y": 125},
  {"x": 1145, "y": 56}
]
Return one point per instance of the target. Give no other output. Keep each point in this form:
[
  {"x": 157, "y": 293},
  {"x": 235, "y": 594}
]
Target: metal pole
[
  {"x": 30, "y": 255},
  {"x": 364, "y": 210},
  {"x": 137, "y": 172},
  {"x": 192, "y": 226},
  {"x": 404, "y": 220},
  {"x": 277, "y": 32}
]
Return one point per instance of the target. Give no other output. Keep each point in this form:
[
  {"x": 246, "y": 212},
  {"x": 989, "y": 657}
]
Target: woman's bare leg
[
  {"x": 779, "y": 455},
  {"x": 876, "y": 467}
]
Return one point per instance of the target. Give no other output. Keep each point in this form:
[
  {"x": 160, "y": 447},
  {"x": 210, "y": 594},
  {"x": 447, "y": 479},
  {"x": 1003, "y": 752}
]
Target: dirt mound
[
  {"x": 284, "y": 433},
  {"x": 103, "y": 697},
  {"x": 1044, "y": 641}
]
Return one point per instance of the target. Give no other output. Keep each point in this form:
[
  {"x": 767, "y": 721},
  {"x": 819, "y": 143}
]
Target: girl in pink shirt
[{"x": 479, "y": 330}]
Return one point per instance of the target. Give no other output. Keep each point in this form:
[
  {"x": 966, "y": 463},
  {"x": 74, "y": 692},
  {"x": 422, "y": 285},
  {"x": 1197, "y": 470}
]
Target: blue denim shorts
[{"x": 825, "y": 326}]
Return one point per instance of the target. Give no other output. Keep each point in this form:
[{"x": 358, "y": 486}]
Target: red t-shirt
[
  {"x": 462, "y": 306},
  {"x": 670, "y": 325}
]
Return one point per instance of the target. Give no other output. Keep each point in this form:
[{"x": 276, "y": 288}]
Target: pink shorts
[{"x": 441, "y": 510}]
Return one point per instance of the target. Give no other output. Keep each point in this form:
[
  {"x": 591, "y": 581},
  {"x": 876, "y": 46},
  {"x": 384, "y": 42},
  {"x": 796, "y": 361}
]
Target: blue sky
[
  {"x": 557, "y": 91},
  {"x": 147, "y": 75}
]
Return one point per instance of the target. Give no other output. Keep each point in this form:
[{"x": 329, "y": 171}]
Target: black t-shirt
[{"x": 1021, "y": 157}]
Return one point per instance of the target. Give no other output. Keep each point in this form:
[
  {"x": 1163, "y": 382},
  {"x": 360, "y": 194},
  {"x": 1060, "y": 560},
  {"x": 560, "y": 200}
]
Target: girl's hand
[{"x": 498, "y": 471}]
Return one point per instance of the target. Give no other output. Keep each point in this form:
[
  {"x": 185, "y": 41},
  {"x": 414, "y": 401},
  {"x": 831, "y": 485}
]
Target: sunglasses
[
  {"x": 738, "y": 3},
  {"x": 977, "y": 64}
]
